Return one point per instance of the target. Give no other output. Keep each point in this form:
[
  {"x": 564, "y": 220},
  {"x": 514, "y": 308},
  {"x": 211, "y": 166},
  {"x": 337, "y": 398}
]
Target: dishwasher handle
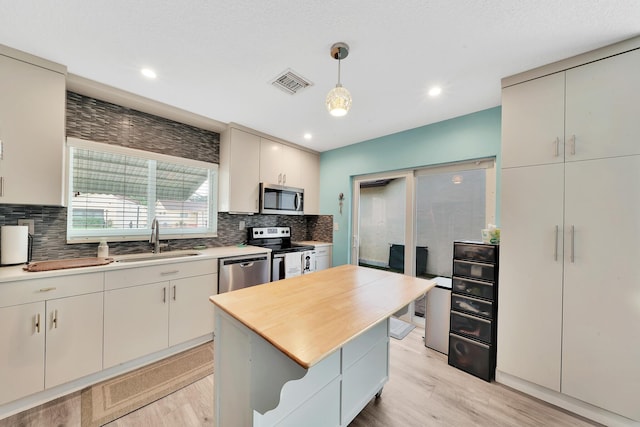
[{"x": 244, "y": 261}]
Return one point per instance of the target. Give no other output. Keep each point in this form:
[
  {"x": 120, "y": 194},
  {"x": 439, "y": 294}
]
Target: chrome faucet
[{"x": 154, "y": 239}]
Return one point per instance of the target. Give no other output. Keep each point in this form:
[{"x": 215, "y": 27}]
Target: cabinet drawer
[
  {"x": 158, "y": 273},
  {"x": 476, "y": 270},
  {"x": 27, "y": 291},
  {"x": 358, "y": 347},
  {"x": 323, "y": 250},
  {"x": 472, "y": 305},
  {"x": 475, "y": 252},
  {"x": 471, "y": 326},
  {"x": 472, "y": 287},
  {"x": 471, "y": 356}
]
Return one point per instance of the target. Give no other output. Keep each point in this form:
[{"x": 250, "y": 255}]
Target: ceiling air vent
[{"x": 290, "y": 82}]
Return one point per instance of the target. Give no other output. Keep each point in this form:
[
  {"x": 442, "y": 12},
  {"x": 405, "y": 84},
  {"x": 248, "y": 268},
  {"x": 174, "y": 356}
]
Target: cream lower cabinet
[
  {"x": 74, "y": 338},
  {"x": 323, "y": 256},
  {"x": 153, "y": 308},
  {"x": 190, "y": 311},
  {"x": 21, "y": 351},
  {"x": 53, "y": 332},
  {"x": 135, "y": 322}
]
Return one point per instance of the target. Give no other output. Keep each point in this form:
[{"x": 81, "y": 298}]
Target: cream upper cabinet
[
  {"x": 32, "y": 120},
  {"x": 568, "y": 282},
  {"x": 310, "y": 181},
  {"x": 533, "y": 122},
  {"x": 602, "y": 108},
  {"x": 247, "y": 159},
  {"x": 279, "y": 164},
  {"x": 239, "y": 172}
]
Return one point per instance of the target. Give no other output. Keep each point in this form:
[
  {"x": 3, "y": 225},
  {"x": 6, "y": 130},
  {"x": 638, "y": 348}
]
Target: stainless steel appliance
[
  {"x": 287, "y": 259},
  {"x": 243, "y": 271},
  {"x": 277, "y": 199}
]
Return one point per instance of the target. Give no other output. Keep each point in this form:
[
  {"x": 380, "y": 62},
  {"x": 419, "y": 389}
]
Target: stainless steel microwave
[{"x": 277, "y": 199}]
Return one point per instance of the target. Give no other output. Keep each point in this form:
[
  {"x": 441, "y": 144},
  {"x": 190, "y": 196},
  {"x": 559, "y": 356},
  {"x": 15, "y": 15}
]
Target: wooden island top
[{"x": 310, "y": 316}]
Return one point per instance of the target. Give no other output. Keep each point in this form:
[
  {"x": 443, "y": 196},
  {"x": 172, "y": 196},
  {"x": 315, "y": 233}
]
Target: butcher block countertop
[{"x": 310, "y": 316}]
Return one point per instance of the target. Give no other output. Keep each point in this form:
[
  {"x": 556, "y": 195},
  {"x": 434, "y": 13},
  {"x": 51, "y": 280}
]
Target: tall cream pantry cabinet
[{"x": 569, "y": 316}]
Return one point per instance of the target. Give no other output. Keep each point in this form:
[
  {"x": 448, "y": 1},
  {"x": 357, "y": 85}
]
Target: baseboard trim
[
  {"x": 563, "y": 401},
  {"x": 40, "y": 398}
]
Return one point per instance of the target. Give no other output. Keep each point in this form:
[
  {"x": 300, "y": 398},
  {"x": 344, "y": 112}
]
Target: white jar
[{"x": 103, "y": 249}]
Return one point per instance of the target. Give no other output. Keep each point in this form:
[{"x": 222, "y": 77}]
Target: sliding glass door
[
  {"x": 383, "y": 212},
  {"x": 406, "y": 221}
]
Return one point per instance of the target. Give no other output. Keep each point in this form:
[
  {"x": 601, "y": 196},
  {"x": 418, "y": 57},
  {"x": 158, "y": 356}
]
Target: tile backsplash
[
  {"x": 99, "y": 121},
  {"x": 49, "y": 239}
]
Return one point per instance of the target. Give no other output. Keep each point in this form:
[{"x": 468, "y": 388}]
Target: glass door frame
[{"x": 409, "y": 232}]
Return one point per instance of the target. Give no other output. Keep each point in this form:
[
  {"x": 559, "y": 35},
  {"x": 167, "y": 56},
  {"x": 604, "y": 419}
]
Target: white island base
[{"x": 258, "y": 385}]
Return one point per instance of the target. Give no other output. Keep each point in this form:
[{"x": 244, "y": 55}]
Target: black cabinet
[{"x": 474, "y": 308}]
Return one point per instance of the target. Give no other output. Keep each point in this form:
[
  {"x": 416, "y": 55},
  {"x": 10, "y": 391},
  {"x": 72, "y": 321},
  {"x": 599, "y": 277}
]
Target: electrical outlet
[
  {"x": 29, "y": 222},
  {"x": 241, "y": 225},
  {"x": 336, "y": 227}
]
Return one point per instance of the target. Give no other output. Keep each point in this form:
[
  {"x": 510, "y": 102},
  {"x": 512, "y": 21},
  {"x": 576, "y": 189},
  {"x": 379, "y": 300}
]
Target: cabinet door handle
[
  {"x": 279, "y": 178},
  {"x": 47, "y": 289},
  {"x": 174, "y": 292},
  {"x": 166, "y": 273},
  {"x": 572, "y": 141},
  {"x": 164, "y": 294},
  {"x": 573, "y": 244},
  {"x": 1, "y": 186},
  {"x": 557, "y": 144},
  {"x": 54, "y": 319},
  {"x": 37, "y": 324},
  {"x": 284, "y": 178},
  {"x": 555, "y": 247}
]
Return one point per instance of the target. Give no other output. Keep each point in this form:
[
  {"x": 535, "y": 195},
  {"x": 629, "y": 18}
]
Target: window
[{"x": 116, "y": 192}]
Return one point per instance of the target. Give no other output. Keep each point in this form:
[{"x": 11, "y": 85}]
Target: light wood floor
[{"x": 422, "y": 391}]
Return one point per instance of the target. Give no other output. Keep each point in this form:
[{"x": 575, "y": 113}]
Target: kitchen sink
[{"x": 152, "y": 257}]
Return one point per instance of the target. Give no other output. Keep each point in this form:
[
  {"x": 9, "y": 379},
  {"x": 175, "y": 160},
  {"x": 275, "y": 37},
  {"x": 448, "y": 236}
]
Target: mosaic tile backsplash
[{"x": 95, "y": 120}]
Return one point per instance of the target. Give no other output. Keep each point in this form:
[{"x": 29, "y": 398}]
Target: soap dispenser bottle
[{"x": 103, "y": 249}]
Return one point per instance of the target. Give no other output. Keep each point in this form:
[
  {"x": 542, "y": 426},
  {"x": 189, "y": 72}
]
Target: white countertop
[
  {"x": 313, "y": 243},
  {"x": 8, "y": 274}
]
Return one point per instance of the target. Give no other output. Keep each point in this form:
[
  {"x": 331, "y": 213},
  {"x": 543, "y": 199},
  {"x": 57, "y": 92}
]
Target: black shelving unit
[{"x": 474, "y": 308}]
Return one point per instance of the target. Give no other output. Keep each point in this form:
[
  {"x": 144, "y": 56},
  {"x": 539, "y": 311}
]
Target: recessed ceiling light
[
  {"x": 148, "y": 73},
  {"x": 307, "y": 136},
  {"x": 435, "y": 91}
]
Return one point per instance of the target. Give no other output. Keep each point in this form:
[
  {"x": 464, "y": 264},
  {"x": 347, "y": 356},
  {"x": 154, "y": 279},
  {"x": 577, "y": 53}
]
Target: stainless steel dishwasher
[{"x": 243, "y": 271}]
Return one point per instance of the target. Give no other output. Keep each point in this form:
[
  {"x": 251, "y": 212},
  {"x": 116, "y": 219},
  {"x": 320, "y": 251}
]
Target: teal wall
[{"x": 467, "y": 137}]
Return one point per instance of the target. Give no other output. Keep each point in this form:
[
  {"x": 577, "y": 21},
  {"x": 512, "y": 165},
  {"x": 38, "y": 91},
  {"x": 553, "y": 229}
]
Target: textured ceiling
[{"x": 217, "y": 58}]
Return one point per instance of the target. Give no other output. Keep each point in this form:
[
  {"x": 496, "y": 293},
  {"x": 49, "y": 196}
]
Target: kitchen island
[{"x": 309, "y": 350}]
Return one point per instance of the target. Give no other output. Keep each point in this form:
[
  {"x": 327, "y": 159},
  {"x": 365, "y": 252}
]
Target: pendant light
[{"x": 339, "y": 99}]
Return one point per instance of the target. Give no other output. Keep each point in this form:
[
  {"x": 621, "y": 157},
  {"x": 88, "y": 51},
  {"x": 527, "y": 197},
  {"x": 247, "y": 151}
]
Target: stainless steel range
[{"x": 287, "y": 259}]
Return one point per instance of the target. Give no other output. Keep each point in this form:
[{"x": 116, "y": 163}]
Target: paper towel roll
[{"x": 14, "y": 244}]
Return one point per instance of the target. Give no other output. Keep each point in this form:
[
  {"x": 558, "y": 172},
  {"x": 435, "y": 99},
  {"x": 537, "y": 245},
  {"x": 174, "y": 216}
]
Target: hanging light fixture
[{"x": 339, "y": 99}]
